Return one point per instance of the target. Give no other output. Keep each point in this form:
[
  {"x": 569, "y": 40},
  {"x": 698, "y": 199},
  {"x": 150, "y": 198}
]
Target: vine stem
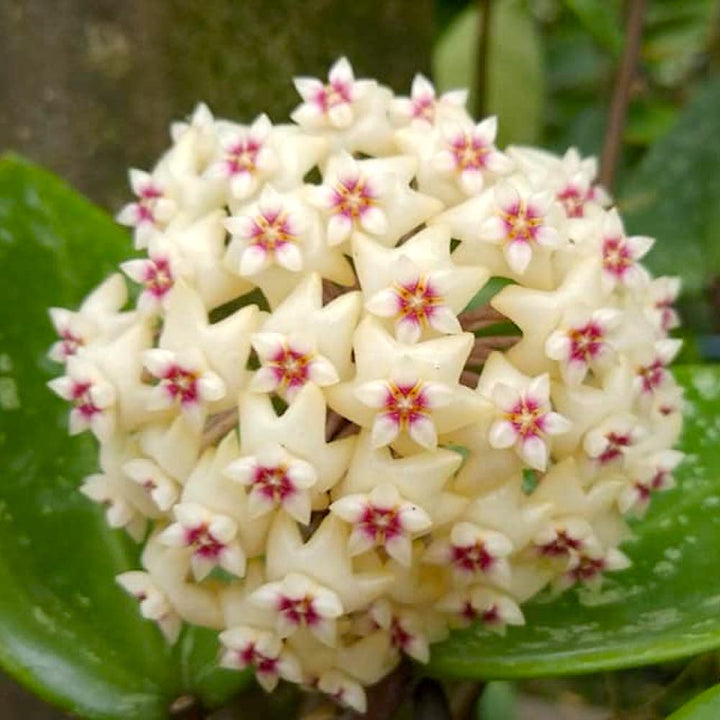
[{"x": 621, "y": 93}]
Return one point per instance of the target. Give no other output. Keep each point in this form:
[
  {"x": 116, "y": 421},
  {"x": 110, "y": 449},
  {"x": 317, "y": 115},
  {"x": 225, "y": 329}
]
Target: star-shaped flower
[
  {"x": 618, "y": 254},
  {"x": 647, "y": 476},
  {"x": 473, "y": 553},
  {"x": 151, "y": 212},
  {"x": 277, "y": 240},
  {"x": 469, "y": 154},
  {"x": 156, "y": 273},
  {"x": 406, "y": 390},
  {"x": 153, "y": 603},
  {"x": 525, "y": 418},
  {"x": 247, "y": 157},
  {"x": 371, "y": 196},
  {"x": 382, "y": 518},
  {"x": 478, "y": 603},
  {"x": 416, "y": 285},
  {"x": 162, "y": 489},
  {"x": 425, "y": 108},
  {"x": 273, "y": 479},
  {"x": 405, "y": 626},
  {"x": 92, "y": 396},
  {"x": 261, "y": 650},
  {"x": 297, "y": 602},
  {"x": 185, "y": 382},
  {"x": 212, "y": 538}
]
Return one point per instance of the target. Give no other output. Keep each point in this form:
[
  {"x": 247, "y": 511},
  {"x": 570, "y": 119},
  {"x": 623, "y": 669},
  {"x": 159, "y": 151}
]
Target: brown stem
[
  {"x": 217, "y": 426},
  {"x": 621, "y": 93},
  {"x": 463, "y": 699},
  {"x": 480, "y": 317},
  {"x": 333, "y": 425},
  {"x": 485, "y": 345},
  {"x": 483, "y": 54},
  {"x": 469, "y": 379}
]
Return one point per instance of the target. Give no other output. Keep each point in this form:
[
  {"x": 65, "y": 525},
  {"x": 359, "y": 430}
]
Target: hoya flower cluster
[{"x": 329, "y": 458}]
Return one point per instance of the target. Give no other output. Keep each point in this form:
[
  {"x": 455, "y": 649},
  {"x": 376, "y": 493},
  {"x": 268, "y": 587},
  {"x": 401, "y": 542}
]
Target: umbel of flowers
[{"x": 333, "y": 454}]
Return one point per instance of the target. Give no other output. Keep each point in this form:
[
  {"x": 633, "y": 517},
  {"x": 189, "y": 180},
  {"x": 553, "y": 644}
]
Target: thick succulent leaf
[
  {"x": 66, "y": 629},
  {"x": 666, "y": 606},
  {"x": 705, "y": 706},
  {"x": 515, "y": 81}
]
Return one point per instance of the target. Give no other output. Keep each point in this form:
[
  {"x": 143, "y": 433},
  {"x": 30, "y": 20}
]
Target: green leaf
[
  {"x": 67, "y": 630},
  {"x": 666, "y": 606},
  {"x": 515, "y": 73},
  {"x": 497, "y": 702},
  {"x": 704, "y": 707},
  {"x": 601, "y": 19},
  {"x": 674, "y": 195}
]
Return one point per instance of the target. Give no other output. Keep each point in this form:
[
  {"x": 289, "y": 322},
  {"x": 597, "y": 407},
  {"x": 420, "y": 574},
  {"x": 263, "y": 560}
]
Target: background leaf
[
  {"x": 666, "y": 606},
  {"x": 601, "y": 20},
  {"x": 704, "y": 707},
  {"x": 515, "y": 74},
  {"x": 66, "y": 629},
  {"x": 674, "y": 195}
]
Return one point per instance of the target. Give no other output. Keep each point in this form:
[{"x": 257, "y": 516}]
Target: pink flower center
[
  {"x": 527, "y": 417},
  {"x": 291, "y": 368},
  {"x": 471, "y": 558},
  {"x": 242, "y": 156},
  {"x": 489, "y": 616},
  {"x": 522, "y": 222},
  {"x": 423, "y": 107},
  {"x": 573, "y": 201},
  {"x": 587, "y": 568},
  {"x": 617, "y": 256},
  {"x": 417, "y": 301},
  {"x": 299, "y": 611},
  {"x": 334, "y": 93},
  {"x": 81, "y": 399},
  {"x": 271, "y": 231},
  {"x": 380, "y": 523},
  {"x": 352, "y": 197},
  {"x": 469, "y": 151},
  {"x": 399, "y": 637},
  {"x": 147, "y": 199},
  {"x": 406, "y": 404},
  {"x": 561, "y": 545},
  {"x": 616, "y": 444},
  {"x": 203, "y": 542},
  {"x": 249, "y": 656},
  {"x": 181, "y": 384},
  {"x": 158, "y": 276},
  {"x": 273, "y": 482},
  {"x": 652, "y": 375},
  {"x": 71, "y": 343},
  {"x": 586, "y": 342}
]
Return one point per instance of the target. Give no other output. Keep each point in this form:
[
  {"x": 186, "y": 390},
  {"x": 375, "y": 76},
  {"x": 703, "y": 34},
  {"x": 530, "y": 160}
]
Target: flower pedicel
[{"x": 322, "y": 443}]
